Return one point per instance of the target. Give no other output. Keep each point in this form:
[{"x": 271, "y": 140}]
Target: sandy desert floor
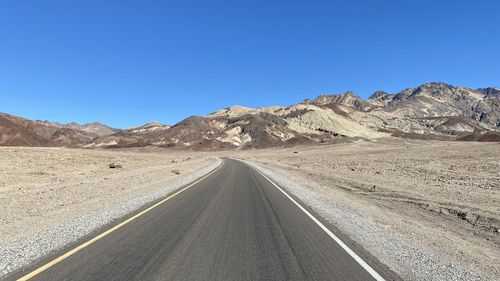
[
  {"x": 41, "y": 188},
  {"x": 444, "y": 196}
]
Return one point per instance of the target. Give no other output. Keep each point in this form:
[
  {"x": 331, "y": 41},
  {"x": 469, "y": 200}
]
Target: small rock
[
  {"x": 177, "y": 172},
  {"x": 115, "y": 166},
  {"x": 471, "y": 218},
  {"x": 461, "y": 215},
  {"x": 444, "y": 211}
]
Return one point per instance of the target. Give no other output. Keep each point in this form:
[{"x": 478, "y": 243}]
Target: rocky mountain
[
  {"x": 95, "y": 128},
  {"x": 440, "y": 99},
  {"x": 380, "y": 98},
  {"x": 17, "y": 131},
  {"x": 239, "y": 127},
  {"x": 132, "y": 137},
  {"x": 429, "y": 111},
  {"x": 347, "y": 99},
  {"x": 432, "y": 110},
  {"x": 489, "y": 92}
]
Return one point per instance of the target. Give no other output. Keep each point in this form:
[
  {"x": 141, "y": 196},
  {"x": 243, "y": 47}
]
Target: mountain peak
[
  {"x": 435, "y": 86},
  {"x": 334, "y": 98},
  {"x": 154, "y": 123},
  {"x": 489, "y": 92},
  {"x": 379, "y": 95}
]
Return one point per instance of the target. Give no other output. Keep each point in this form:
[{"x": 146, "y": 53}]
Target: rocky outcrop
[{"x": 347, "y": 99}]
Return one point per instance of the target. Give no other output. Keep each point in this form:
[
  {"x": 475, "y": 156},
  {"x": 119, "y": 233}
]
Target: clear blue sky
[{"x": 129, "y": 62}]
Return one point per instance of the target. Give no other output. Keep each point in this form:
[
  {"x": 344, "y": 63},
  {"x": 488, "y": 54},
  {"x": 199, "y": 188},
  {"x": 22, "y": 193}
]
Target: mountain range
[{"x": 429, "y": 111}]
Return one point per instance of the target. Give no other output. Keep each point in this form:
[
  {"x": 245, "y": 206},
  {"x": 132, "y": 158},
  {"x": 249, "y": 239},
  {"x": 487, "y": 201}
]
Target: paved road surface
[{"x": 233, "y": 225}]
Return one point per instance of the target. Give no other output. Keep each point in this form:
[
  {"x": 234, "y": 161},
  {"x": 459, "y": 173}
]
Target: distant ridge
[
  {"x": 433, "y": 110},
  {"x": 96, "y": 128},
  {"x": 17, "y": 131}
]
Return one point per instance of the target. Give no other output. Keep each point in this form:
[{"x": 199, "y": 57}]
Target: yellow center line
[{"x": 107, "y": 232}]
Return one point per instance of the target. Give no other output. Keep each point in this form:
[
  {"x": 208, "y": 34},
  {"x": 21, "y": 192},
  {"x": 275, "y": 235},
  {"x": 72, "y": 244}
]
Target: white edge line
[{"x": 360, "y": 261}]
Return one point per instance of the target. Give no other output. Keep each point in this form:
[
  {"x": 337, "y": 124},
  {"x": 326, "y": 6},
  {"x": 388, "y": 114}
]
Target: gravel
[
  {"x": 17, "y": 254},
  {"x": 410, "y": 260}
]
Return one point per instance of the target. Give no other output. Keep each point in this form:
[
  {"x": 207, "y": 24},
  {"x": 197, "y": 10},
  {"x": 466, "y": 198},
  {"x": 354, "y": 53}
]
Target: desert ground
[
  {"x": 41, "y": 188},
  {"x": 421, "y": 207}
]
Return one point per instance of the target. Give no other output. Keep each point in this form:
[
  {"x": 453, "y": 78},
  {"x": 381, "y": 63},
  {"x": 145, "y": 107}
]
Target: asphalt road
[{"x": 232, "y": 225}]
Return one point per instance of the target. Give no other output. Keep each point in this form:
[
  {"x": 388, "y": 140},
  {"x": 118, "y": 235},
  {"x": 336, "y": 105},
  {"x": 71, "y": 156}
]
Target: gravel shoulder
[
  {"x": 429, "y": 210},
  {"x": 54, "y": 196}
]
